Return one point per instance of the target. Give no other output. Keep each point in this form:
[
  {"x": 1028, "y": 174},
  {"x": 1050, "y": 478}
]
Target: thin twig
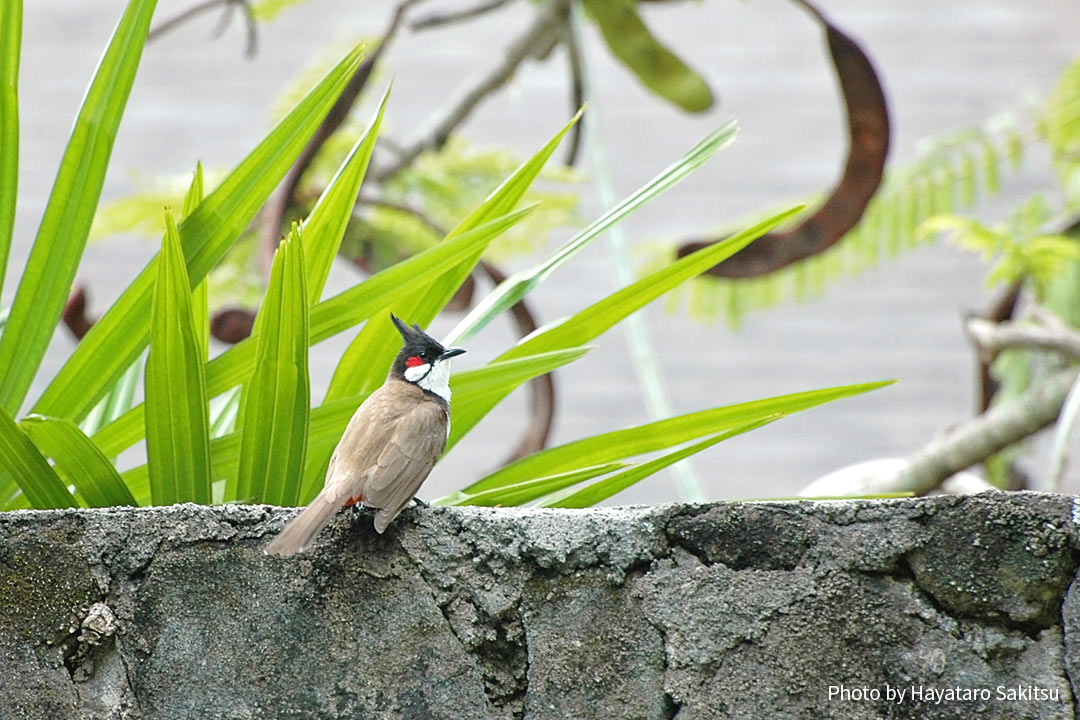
[
  {"x": 179, "y": 19},
  {"x": 991, "y": 338},
  {"x": 252, "y": 43},
  {"x": 223, "y": 21},
  {"x": 444, "y": 121},
  {"x": 577, "y": 88},
  {"x": 284, "y": 200},
  {"x": 437, "y": 19}
]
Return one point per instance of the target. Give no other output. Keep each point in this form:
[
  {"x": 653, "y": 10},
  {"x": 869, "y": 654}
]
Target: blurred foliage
[
  {"x": 1031, "y": 248},
  {"x": 1019, "y": 248},
  {"x": 654, "y": 64},
  {"x": 629, "y": 39},
  {"x": 953, "y": 173},
  {"x": 443, "y": 185},
  {"x": 406, "y": 214},
  {"x": 237, "y": 281}
]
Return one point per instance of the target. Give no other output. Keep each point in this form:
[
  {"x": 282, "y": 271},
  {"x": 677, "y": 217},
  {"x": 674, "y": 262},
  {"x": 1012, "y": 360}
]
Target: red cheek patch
[{"x": 413, "y": 362}]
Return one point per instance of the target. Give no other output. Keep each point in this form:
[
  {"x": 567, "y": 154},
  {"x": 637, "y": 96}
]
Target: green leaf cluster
[{"x": 242, "y": 426}]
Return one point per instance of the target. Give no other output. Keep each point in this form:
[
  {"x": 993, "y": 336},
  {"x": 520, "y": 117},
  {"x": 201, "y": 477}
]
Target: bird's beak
[{"x": 451, "y": 352}]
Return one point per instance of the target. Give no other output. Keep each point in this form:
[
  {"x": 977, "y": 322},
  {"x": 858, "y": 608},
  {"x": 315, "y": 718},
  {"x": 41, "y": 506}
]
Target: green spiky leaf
[
  {"x": 177, "y": 425},
  {"x": 10, "y": 46},
  {"x": 274, "y": 433},
  {"x": 61, "y": 237},
  {"x": 20, "y": 459},
  {"x": 118, "y": 337},
  {"x": 80, "y": 461}
]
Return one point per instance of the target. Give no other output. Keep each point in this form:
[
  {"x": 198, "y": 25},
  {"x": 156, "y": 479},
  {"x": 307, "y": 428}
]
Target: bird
[{"x": 390, "y": 444}]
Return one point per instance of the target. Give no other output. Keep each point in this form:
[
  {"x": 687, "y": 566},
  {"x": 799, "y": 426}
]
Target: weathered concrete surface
[{"x": 716, "y": 611}]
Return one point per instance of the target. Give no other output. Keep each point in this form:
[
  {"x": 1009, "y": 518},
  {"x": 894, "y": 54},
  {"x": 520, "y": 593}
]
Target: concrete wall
[{"x": 778, "y": 610}]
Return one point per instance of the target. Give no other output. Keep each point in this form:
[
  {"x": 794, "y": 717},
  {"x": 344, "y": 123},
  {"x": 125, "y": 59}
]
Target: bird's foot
[{"x": 421, "y": 503}]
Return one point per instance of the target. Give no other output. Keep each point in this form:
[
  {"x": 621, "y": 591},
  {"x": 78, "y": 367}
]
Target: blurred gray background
[{"x": 944, "y": 65}]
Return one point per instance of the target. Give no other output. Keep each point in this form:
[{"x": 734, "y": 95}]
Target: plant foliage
[
  {"x": 951, "y": 175},
  {"x": 242, "y": 425}
]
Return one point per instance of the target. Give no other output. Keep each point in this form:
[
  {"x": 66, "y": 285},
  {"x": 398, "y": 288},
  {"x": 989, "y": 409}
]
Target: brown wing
[
  {"x": 418, "y": 439},
  {"x": 357, "y": 451}
]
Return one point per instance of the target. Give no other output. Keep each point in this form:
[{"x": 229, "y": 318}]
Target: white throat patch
[{"x": 432, "y": 377}]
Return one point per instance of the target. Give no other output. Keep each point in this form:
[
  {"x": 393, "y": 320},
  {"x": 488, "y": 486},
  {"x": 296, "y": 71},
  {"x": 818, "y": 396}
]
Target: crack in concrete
[{"x": 508, "y": 647}]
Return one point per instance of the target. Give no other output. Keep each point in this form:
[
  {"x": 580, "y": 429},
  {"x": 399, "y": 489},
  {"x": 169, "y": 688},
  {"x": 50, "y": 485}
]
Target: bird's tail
[{"x": 299, "y": 533}]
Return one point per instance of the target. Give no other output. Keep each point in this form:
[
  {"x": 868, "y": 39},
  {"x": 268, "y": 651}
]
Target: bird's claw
[{"x": 421, "y": 503}]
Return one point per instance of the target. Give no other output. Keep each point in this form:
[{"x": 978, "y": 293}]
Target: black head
[{"x": 419, "y": 351}]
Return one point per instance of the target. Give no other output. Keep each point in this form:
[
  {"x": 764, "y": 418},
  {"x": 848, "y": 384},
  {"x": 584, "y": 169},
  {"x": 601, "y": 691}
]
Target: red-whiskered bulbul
[{"x": 390, "y": 445}]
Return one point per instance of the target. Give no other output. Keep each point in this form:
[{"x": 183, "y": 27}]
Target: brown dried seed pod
[{"x": 868, "y": 146}]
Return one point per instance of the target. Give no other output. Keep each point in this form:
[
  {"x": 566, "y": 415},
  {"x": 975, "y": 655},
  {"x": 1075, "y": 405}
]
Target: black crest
[
  {"x": 416, "y": 338},
  {"x": 417, "y": 344}
]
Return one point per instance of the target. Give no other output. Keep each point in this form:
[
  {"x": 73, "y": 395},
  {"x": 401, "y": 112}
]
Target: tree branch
[
  {"x": 279, "y": 207},
  {"x": 982, "y": 436},
  {"x": 438, "y": 19},
  {"x": 444, "y": 121},
  {"x": 1053, "y": 335},
  {"x": 958, "y": 449},
  {"x": 252, "y": 44}
]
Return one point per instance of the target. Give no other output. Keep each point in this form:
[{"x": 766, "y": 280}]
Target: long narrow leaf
[
  {"x": 328, "y": 318},
  {"x": 328, "y": 421},
  {"x": 224, "y": 410},
  {"x": 598, "y": 318},
  {"x": 200, "y": 299},
  {"x": 119, "y": 398},
  {"x": 363, "y": 364},
  {"x": 326, "y": 224},
  {"x": 79, "y": 459},
  {"x": 660, "y": 435},
  {"x": 61, "y": 238},
  {"x": 117, "y": 401},
  {"x": 604, "y": 488},
  {"x": 177, "y": 426},
  {"x": 521, "y": 493},
  {"x": 116, "y": 339},
  {"x": 21, "y": 459},
  {"x": 658, "y": 68},
  {"x": 273, "y": 439},
  {"x": 518, "y": 285},
  {"x": 474, "y": 390},
  {"x": 195, "y": 193},
  {"x": 10, "y": 45}
]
